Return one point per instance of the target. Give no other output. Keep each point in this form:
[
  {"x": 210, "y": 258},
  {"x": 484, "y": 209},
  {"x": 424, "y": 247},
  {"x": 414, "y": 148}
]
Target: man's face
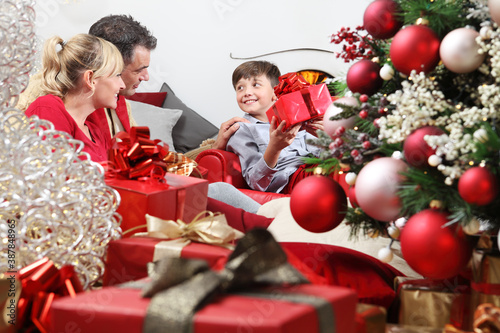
[{"x": 137, "y": 71}]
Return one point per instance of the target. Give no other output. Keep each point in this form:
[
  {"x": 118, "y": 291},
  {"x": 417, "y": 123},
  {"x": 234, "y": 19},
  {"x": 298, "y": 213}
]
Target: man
[{"x": 135, "y": 43}]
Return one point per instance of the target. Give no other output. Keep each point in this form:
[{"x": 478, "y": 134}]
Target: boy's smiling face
[{"x": 255, "y": 96}]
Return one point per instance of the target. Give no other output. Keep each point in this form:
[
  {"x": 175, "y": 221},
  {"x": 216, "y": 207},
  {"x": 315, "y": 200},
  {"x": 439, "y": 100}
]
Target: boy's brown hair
[{"x": 251, "y": 69}]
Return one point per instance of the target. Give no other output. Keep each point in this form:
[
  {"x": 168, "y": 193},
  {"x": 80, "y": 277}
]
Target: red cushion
[
  {"x": 238, "y": 218},
  {"x": 153, "y": 98},
  {"x": 372, "y": 279}
]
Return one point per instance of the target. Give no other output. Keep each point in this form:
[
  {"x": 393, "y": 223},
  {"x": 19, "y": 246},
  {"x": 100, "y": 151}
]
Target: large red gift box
[
  {"x": 302, "y": 105},
  {"x": 181, "y": 197},
  {"x": 114, "y": 309},
  {"x": 127, "y": 257}
]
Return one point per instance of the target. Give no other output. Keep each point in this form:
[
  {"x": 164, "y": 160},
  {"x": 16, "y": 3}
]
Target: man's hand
[{"x": 226, "y": 130}]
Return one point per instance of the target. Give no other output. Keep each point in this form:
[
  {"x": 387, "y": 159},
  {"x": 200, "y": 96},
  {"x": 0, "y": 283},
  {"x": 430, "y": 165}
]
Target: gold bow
[{"x": 206, "y": 227}]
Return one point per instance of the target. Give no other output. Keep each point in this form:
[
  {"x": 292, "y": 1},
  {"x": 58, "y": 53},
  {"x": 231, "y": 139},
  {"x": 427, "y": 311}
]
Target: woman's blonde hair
[{"x": 62, "y": 68}]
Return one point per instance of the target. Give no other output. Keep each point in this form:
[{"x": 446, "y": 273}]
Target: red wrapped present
[
  {"x": 297, "y": 101},
  {"x": 37, "y": 286},
  {"x": 207, "y": 237},
  {"x": 257, "y": 291},
  {"x": 181, "y": 197}
]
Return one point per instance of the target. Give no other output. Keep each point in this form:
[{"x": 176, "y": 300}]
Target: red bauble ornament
[
  {"x": 318, "y": 203},
  {"x": 478, "y": 186},
  {"x": 363, "y": 77},
  {"x": 416, "y": 150},
  {"x": 381, "y": 20},
  {"x": 435, "y": 251},
  {"x": 415, "y": 47}
]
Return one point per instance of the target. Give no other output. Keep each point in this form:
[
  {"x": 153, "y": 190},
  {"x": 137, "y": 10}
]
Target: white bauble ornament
[
  {"x": 400, "y": 223},
  {"x": 386, "y": 72},
  {"x": 377, "y": 186},
  {"x": 331, "y": 126},
  {"x": 459, "y": 51},
  {"x": 434, "y": 160},
  {"x": 385, "y": 254},
  {"x": 350, "y": 178}
]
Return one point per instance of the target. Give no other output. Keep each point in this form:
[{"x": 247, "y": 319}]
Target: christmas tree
[{"x": 416, "y": 127}]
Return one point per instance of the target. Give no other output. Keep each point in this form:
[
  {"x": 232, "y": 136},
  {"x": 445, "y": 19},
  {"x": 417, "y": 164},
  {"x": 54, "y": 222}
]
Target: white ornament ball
[
  {"x": 385, "y": 254},
  {"x": 472, "y": 227},
  {"x": 386, "y": 72},
  {"x": 400, "y": 223},
  {"x": 434, "y": 160},
  {"x": 350, "y": 178},
  {"x": 494, "y": 6},
  {"x": 394, "y": 232},
  {"x": 481, "y": 135},
  {"x": 459, "y": 51},
  {"x": 485, "y": 32},
  {"x": 397, "y": 155},
  {"x": 331, "y": 126},
  {"x": 377, "y": 186}
]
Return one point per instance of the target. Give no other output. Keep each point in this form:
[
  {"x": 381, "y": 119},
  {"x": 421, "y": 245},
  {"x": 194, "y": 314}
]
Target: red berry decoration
[
  {"x": 416, "y": 150},
  {"x": 318, "y": 203},
  {"x": 363, "y": 114},
  {"x": 478, "y": 186},
  {"x": 432, "y": 249},
  {"x": 381, "y": 19},
  {"x": 363, "y": 98},
  {"x": 415, "y": 47},
  {"x": 363, "y": 77}
]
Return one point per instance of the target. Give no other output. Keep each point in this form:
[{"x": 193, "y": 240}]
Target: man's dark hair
[
  {"x": 251, "y": 69},
  {"x": 125, "y": 33}
]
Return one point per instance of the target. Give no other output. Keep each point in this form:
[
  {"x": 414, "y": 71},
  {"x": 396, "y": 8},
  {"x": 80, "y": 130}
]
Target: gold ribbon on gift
[
  {"x": 206, "y": 227},
  {"x": 180, "y": 286}
]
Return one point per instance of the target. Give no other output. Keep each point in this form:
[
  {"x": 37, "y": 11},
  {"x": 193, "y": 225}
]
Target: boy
[{"x": 271, "y": 158}]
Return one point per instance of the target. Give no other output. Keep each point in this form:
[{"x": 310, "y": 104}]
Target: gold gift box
[{"x": 433, "y": 304}]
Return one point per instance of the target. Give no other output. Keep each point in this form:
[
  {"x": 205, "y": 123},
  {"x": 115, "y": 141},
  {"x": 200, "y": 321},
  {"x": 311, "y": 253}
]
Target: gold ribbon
[
  {"x": 182, "y": 286},
  {"x": 206, "y": 227}
]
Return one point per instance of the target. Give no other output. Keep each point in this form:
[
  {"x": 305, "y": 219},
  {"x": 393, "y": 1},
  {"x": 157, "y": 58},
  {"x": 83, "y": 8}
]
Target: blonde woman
[{"x": 78, "y": 77}]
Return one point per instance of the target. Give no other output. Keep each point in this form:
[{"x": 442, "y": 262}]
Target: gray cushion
[
  {"x": 160, "y": 121},
  {"x": 191, "y": 129}
]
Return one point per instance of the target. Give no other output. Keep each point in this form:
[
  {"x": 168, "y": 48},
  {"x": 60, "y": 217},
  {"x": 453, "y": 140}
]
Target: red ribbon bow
[
  {"x": 289, "y": 83},
  {"x": 136, "y": 156},
  {"x": 42, "y": 282}
]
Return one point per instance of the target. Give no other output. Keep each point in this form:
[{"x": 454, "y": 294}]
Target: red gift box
[
  {"x": 127, "y": 258},
  {"x": 302, "y": 105},
  {"x": 114, "y": 309},
  {"x": 181, "y": 197}
]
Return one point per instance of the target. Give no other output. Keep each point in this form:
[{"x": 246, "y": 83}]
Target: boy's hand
[
  {"x": 226, "y": 130},
  {"x": 313, "y": 125},
  {"x": 279, "y": 139}
]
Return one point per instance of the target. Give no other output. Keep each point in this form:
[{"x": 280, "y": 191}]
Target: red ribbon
[
  {"x": 135, "y": 156},
  {"x": 289, "y": 83},
  {"x": 486, "y": 288},
  {"x": 42, "y": 282}
]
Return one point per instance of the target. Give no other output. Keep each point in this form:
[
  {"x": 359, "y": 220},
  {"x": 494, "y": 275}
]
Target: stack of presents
[{"x": 180, "y": 268}]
